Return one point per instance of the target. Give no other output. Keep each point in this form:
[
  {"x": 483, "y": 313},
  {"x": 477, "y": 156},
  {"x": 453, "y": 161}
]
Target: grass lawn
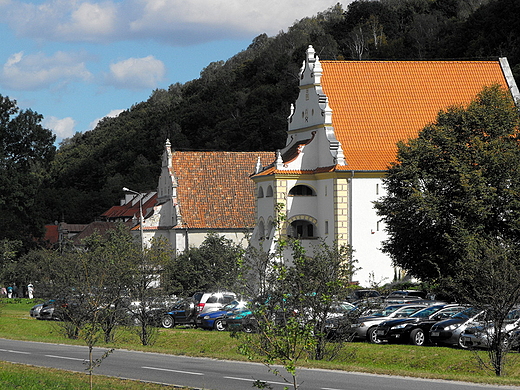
[{"x": 407, "y": 360}]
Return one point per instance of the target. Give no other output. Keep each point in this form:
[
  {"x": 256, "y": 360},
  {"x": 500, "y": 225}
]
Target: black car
[
  {"x": 416, "y": 328},
  {"x": 364, "y": 295},
  {"x": 405, "y": 296},
  {"x": 183, "y": 312},
  {"x": 448, "y": 332},
  {"x": 241, "y": 320}
]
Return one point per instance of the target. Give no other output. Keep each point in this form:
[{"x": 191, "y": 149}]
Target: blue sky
[{"x": 76, "y": 61}]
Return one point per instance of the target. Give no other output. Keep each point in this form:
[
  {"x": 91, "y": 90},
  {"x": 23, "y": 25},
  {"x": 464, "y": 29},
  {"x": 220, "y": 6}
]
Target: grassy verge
[
  {"x": 18, "y": 376},
  {"x": 424, "y": 362}
]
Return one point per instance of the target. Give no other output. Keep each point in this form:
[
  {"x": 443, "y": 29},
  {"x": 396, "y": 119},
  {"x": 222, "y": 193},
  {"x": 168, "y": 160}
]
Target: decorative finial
[
  {"x": 258, "y": 167},
  {"x": 279, "y": 160}
]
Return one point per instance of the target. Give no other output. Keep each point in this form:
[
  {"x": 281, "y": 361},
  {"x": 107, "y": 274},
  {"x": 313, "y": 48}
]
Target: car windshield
[
  {"x": 367, "y": 294},
  {"x": 234, "y": 305},
  {"x": 342, "y": 307},
  {"x": 385, "y": 312},
  {"x": 426, "y": 312},
  {"x": 467, "y": 313},
  {"x": 513, "y": 316},
  {"x": 230, "y": 305}
]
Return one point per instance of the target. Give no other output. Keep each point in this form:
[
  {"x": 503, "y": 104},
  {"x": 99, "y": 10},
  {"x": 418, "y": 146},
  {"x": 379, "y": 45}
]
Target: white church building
[{"x": 341, "y": 137}]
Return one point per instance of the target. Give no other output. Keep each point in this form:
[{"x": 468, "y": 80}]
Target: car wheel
[
  {"x": 372, "y": 335},
  {"x": 248, "y": 328},
  {"x": 461, "y": 344},
  {"x": 167, "y": 321},
  {"x": 218, "y": 325},
  {"x": 418, "y": 337}
]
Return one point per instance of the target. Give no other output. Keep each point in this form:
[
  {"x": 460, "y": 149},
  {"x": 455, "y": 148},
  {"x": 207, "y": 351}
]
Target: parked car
[
  {"x": 241, "y": 320},
  {"x": 361, "y": 295},
  {"x": 405, "y": 296},
  {"x": 365, "y": 328},
  {"x": 214, "y": 319},
  {"x": 183, "y": 312},
  {"x": 416, "y": 328},
  {"x": 35, "y": 310},
  {"x": 212, "y": 301},
  {"x": 448, "y": 332},
  {"x": 50, "y": 312},
  {"x": 481, "y": 336}
]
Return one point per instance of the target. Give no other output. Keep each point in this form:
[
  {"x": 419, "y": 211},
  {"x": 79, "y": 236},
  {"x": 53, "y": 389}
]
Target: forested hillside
[{"x": 242, "y": 104}]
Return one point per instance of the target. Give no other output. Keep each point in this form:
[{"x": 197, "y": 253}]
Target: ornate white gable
[{"x": 310, "y": 124}]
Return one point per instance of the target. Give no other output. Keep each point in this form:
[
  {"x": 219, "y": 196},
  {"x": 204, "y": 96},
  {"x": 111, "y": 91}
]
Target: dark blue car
[{"x": 213, "y": 320}]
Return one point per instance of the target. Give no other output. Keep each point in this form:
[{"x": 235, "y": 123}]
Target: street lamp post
[{"x": 140, "y": 214}]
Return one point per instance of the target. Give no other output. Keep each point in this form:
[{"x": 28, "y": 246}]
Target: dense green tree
[
  {"x": 214, "y": 265},
  {"x": 26, "y": 151},
  {"x": 490, "y": 31},
  {"x": 458, "y": 181},
  {"x": 452, "y": 209},
  {"x": 489, "y": 279}
]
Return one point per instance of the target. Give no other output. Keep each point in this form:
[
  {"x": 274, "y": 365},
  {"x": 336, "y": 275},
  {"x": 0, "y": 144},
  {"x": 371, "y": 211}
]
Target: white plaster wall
[
  {"x": 265, "y": 205},
  {"x": 303, "y": 205},
  {"x": 197, "y": 238},
  {"x": 326, "y": 209},
  {"x": 366, "y": 235}
]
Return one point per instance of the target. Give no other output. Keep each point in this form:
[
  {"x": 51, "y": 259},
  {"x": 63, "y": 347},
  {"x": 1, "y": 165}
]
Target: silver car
[
  {"x": 365, "y": 328},
  {"x": 481, "y": 336},
  {"x": 212, "y": 301}
]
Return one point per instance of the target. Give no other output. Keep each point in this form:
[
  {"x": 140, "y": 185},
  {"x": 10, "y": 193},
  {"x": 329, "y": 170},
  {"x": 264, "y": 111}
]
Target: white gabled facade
[{"x": 313, "y": 157}]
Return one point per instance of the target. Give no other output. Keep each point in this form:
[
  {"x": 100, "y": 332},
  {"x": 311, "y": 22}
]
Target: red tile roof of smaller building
[
  {"x": 130, "y": 209},
  {"x": 100, "y": 227},
  {"x": 51, "y": 233},
  {"x": 214, "y": 189}
]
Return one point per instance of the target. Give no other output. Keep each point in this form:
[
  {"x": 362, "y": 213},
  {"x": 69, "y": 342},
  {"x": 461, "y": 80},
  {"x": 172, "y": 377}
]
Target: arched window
[
  {"x": 270, "y": 227},
  {"x": 260, "y": 192},
  {"x": 269, "y": 193},
  {"x": 302, "y": 229},
  {"x": 261, "y": 230},
  {"x": 301, "y": 190}
]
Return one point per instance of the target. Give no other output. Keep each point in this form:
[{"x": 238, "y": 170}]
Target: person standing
[
  {"x": 30, "y": 291},
  {"x": 9, "y": 292},
  {"x": 15, "y": 290}
]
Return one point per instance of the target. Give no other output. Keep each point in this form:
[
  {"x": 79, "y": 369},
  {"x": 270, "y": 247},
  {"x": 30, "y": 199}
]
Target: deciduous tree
[
  {"x": 452, "y": 210},
  {"x": 26, "y": 152}
]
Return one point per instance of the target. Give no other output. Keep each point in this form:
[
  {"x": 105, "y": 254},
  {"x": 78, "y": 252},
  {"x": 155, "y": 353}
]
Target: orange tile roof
[
  {"x": 214, "y": 189},
  {"x": 375, "y": 104},
  {"x": 130, "y": 209}
]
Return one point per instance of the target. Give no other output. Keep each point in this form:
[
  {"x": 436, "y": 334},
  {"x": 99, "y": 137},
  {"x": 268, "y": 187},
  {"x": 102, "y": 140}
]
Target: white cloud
[
  {"x": 94, "y": 20},
  {"x": 63, "y": 128},
  {"x": 136, "y": 73},
  {"x": 62, "y": 20},
  {"x": 111, "y": 114},
  {"x": 37, "y": 71},
  {"x": 179, "y": 22}
]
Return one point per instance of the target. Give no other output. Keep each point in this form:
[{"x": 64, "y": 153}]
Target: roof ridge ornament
[
  {"x": 279, "y": 160},
  {"x": 313, "y": 65},
  {"x": 311, "y": 54},
  {"x": 258, "y": 167}
]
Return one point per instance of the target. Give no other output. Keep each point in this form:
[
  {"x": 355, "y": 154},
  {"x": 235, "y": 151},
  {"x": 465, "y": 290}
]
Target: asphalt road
[{"x": 204, "y": 373}]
